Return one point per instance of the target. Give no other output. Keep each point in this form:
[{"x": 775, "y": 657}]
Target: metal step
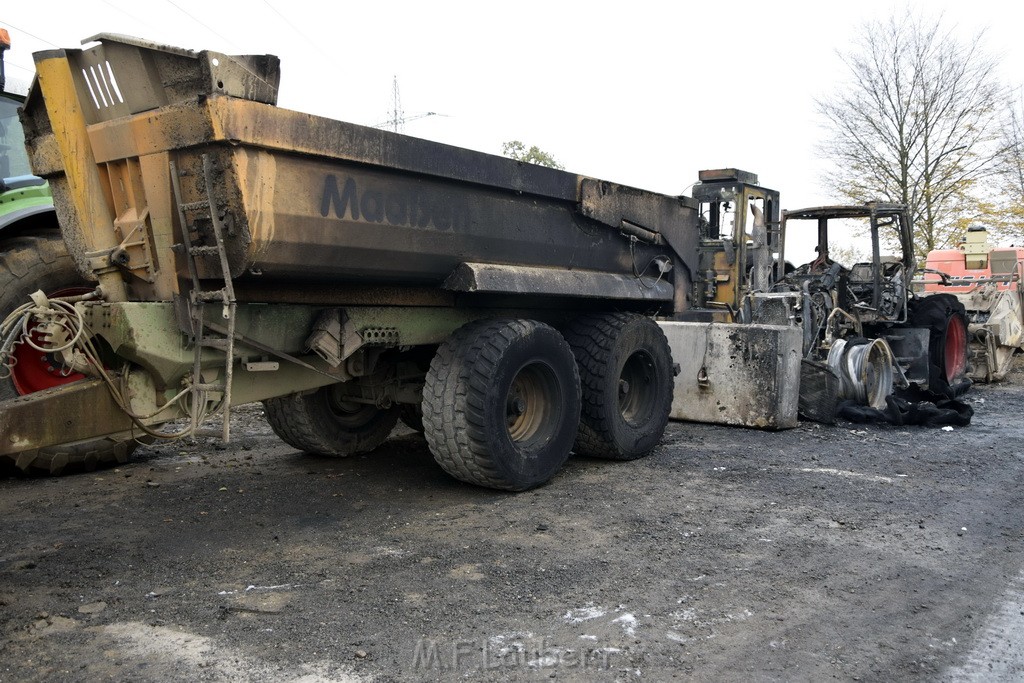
[{"x": 209, "y": 295}]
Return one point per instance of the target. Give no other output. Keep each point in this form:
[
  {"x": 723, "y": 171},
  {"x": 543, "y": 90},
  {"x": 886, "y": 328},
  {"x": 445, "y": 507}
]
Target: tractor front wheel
[{"x": 29, "y": 264}]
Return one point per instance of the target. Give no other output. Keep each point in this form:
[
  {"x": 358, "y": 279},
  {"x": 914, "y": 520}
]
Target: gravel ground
[{"x": 849, "y": 552}]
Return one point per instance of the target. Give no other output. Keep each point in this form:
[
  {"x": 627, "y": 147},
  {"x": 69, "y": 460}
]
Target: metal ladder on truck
[{"x": 222, "y": 338}]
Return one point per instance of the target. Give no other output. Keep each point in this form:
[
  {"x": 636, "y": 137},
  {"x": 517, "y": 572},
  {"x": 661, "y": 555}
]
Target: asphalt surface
[{"x": 843, "y": 552}]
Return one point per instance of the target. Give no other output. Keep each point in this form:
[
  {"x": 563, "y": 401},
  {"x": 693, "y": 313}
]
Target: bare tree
[
  {"x": 918, "y": 124},
  {"x": 1003, "y": 214}
]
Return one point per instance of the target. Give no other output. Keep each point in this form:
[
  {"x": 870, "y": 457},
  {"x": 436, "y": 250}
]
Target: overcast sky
[{"x": 641, "y": 93}]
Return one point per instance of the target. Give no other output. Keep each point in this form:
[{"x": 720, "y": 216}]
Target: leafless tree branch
[{"x": 919, "y": 123}]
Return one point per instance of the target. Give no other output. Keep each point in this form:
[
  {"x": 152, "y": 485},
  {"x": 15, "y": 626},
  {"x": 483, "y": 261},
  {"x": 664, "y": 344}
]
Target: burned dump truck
[{"x": 226, "y": 251}]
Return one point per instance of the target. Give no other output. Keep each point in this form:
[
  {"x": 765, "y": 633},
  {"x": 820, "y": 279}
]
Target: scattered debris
[{"x": 92, "y": 608}]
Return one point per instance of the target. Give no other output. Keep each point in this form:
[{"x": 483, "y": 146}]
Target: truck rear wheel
[
  {"x": 626, "y": 374},
  {"x": 501, "y": 404},
  {"x": 325, "y": 423},
  {"x": 946, "y": 319},
  {"x": 28, "y": 264},
  {"x": 411, "y": 415}
]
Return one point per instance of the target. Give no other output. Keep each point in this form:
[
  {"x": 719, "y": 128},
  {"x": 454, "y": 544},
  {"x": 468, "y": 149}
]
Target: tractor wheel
[
  {"x": 501, "y": 404},
  {"x": 946, "y": 319},
  {"x": 626, "y": 374},
  {"x": 325, "y": 423},
  {"x": 28, "y": 264}
]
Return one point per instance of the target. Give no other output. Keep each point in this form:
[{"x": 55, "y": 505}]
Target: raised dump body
[{"x": 346, "y": 276}]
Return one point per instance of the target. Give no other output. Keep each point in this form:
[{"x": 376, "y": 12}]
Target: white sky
[{"x": 641, "y": 93}]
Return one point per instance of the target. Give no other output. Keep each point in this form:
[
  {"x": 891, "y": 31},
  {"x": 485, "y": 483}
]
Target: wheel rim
[
  {"x": 532, "y": 405},
  {"x": 865, "y": 371},
  {"x": 35, "y": 370},
  {"x": 955, "y": 348},
  {"x": 636, "y": 388}
]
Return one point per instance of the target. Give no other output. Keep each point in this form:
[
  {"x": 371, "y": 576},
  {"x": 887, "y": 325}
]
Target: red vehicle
[{"x": 988, "y": 282}]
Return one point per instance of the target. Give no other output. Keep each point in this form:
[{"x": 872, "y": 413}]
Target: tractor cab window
[
  {"x": 823, "y": 241},
  {"x": 718, "y": 220},
  {"x": 13, "y": 157}
]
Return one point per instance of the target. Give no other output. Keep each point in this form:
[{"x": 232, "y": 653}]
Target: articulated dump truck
[{"x": 221, "y": 250}]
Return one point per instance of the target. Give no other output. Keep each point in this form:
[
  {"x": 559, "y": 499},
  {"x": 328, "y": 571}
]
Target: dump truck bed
[
  {"x": 309, "y": 201},
  {"x": 343, "y": 275}
]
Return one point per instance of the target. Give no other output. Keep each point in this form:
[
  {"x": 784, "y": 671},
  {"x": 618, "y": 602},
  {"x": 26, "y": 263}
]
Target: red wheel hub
[
  {"x": 35, "y": 370},
  {"x": 956, "y": 348}
]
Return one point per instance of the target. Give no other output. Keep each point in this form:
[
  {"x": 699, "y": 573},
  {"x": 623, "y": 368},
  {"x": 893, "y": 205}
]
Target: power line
[
  {"x": 228, "y": 41},
  {"x": 183, "y": 11},
  {"x": 20, "y": 30},
  {"x": 19, "y": 66},
  {"x": 295, "y": 28},
  {"x": 131, "y": 16},
  {"x": 30, "y": 71}
]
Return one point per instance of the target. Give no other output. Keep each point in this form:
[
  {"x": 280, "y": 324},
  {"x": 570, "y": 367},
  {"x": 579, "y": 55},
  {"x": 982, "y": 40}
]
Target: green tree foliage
[
  {"x": 917, "y": 123},
  {"x": 515, "y": 149}
]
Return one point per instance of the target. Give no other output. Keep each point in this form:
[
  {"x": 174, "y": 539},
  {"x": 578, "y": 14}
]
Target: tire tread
[
  {"x": 593, "y": 339},
  {"x": 301, "y": 421},
  {"x": 454, "y": 394}
]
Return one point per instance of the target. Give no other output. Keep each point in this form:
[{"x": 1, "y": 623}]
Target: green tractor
[
  {"x": 33, "y": 257},
  {"x": 25, "y": 202}
]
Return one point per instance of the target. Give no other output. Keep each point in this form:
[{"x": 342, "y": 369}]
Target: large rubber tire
[
  {"x": 946, "y": 319},
  {"x": 42, "y": 262},
  {"x": 411, "y": 416},
  {"x": 323, "y": 423},
  {"x": 627, "y": 377},
  {"x": 501, "y": 404}
]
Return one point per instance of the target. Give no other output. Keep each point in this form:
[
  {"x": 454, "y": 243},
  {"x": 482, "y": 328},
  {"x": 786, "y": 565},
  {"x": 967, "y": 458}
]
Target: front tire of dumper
[
  {"x": 323, "y": 422},
  {"x": 627, "y": 377},
  {"x": 28, "y": 264},
  {"x": 946, "y": 319},
  {"x": 501, "y": 403}
]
